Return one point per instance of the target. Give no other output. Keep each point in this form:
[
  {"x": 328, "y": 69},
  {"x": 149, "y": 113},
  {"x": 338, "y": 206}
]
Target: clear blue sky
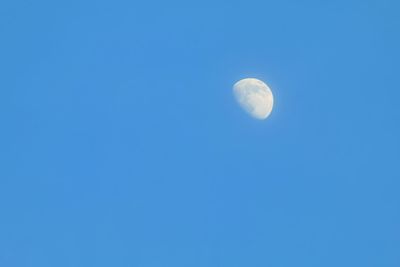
[{"x": 121, "y": 143}]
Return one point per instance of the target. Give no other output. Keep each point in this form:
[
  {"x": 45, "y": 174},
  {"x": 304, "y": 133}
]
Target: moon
[{"x": 255, "y": 97}]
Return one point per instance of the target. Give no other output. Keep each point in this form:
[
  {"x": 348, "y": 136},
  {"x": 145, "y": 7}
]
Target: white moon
[{"x": 255, "y": 97}]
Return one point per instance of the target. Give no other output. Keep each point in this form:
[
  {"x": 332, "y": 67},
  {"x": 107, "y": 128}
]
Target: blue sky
[{"x": 121, "y": 143}]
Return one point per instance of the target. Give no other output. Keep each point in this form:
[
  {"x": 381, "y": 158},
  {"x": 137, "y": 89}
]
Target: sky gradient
[{"x": 121, "y": 143}]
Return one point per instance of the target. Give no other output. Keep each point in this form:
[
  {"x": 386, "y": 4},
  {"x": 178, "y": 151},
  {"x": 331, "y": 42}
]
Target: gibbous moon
[{"x": 255, "y": 97}]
